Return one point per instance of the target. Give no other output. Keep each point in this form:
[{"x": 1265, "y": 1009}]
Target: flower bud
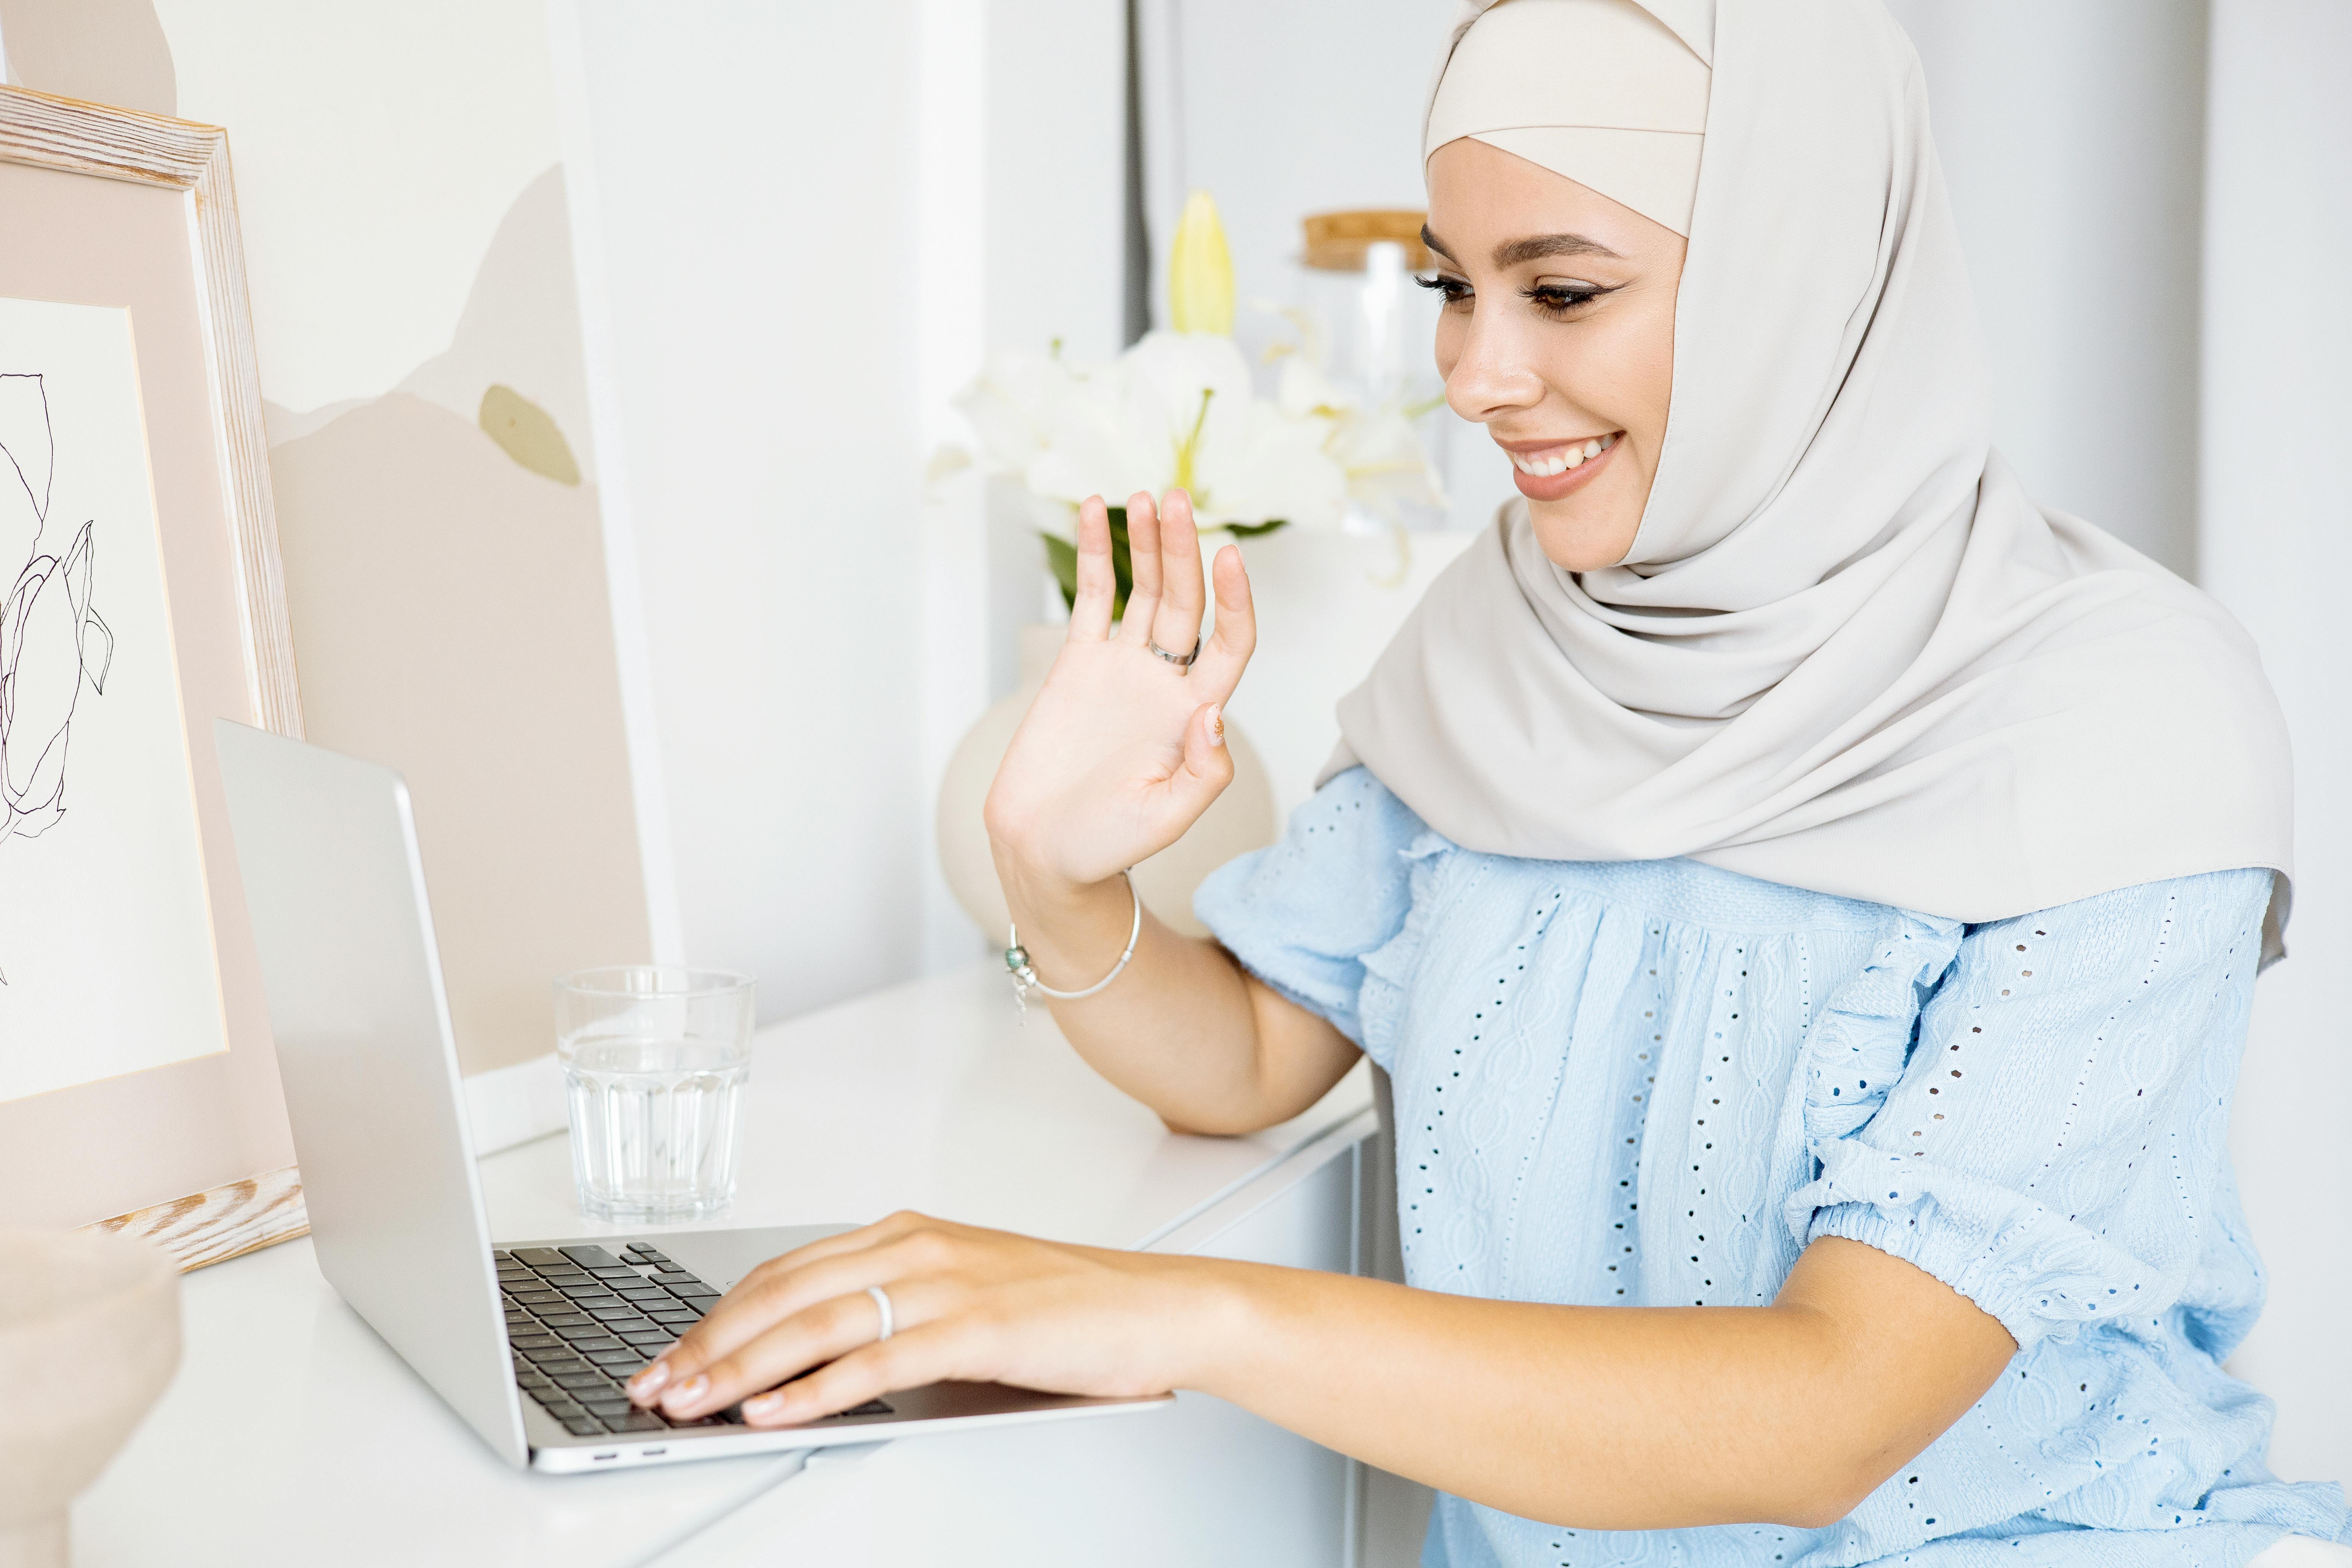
[{"x": 1201, "y": 271}]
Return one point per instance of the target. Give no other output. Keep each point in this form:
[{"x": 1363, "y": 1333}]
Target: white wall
[
  {"x": 2275, "y": 543},
  {"x": 742, "y": 173},
  {"x": 1023, "y": 154},
  {"x": 799, "y": 226}
]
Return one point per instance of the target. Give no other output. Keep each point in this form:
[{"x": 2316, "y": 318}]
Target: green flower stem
[{"x": 1062, "y": 558}]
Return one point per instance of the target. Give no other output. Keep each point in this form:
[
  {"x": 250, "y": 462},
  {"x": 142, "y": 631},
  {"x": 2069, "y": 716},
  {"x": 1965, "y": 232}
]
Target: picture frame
[{"x": 135, "y": 215}]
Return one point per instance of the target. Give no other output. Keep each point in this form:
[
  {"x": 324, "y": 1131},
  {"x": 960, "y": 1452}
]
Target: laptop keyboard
[{"x": 581, "y": 1321}]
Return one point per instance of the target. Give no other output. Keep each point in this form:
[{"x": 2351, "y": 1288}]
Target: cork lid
[{"x": 1336, "y": 242}]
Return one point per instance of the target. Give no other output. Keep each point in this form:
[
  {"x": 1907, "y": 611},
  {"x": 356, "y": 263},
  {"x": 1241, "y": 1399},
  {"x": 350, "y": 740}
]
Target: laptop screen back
[{"x": 327, "y": 848}]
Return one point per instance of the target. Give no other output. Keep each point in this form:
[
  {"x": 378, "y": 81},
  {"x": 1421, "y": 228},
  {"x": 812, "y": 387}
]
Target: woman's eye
[
  {"x": 1559, "y": 298},
  {"x": 1452, "y": 290}
]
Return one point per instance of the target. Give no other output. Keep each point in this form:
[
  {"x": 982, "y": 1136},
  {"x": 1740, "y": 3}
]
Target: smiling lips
[{"x": 1548, "y": 473}]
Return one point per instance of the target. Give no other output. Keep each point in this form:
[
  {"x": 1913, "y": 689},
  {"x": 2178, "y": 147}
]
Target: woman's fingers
[
  {"x": 1143, "y": 528},
  {"x": 1176, "y": 619},
  {"x": 1207, "y": 767},
  {"x": 906, "y": 1360},
  {"x": 863, "y": 1237},
  {"x": 749, "y": 1309},
  {"x": 818, "y": 1334},
  {"x": 1098, "y": 585},
  {"x": 773, "y": 1292},
  {"x": 1219, "y": 668}
]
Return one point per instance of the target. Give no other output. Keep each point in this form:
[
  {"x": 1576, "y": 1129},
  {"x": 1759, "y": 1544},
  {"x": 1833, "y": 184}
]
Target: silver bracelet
[{"x": 1024, "y": 974}]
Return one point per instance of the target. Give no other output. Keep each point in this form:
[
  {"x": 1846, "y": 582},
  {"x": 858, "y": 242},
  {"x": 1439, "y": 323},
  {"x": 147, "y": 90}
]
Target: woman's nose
[{"x": 1492, "y": 378}]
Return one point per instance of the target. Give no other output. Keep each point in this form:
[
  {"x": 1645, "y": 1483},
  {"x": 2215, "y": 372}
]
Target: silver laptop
[{"x": 529, "y": 1339}]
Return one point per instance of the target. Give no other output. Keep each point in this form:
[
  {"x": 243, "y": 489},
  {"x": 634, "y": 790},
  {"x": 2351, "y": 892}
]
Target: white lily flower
[
  {"x": 1377, "y": 448},
  {"x": 1176, "y": 409},
  {"x": 1386, "y": 464},
  {"x": 1016, "y": 405},
  {"x": 1302, "y": 389}
]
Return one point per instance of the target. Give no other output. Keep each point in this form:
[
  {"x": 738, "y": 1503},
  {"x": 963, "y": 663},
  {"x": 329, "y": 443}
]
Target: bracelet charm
[{"x": 1025, "y": 974}]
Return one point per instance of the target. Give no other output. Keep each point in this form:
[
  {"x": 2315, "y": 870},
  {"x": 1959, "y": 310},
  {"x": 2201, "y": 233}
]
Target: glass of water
[{"x": 655, "y": 1059}]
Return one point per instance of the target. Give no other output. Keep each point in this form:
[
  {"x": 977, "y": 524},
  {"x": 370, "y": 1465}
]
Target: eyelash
[{"x": 1551, "y": 299}]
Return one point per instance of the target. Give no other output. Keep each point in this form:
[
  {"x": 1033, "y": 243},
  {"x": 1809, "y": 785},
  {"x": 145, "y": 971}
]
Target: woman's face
[{"x": 1559, "y": 336}]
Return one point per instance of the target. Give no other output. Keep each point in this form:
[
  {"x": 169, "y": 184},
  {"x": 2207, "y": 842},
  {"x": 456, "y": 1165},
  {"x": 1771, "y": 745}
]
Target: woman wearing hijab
[{"x": 1806, "y": 895}]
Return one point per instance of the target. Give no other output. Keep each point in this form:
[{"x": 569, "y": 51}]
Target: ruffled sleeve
[
  {"x": 1302, "y": 914},
  {"x": 2033, "y": 1110}
]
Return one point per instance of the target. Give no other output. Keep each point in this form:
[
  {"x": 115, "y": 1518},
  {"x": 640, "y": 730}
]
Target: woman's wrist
[
  {"x": 1040, "y": 895},
  {"x": 1072, "y": 931},
  {"x": 1220, "y": 1323}
]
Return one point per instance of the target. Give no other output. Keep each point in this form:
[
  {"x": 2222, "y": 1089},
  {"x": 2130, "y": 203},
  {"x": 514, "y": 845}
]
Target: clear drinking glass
[{"x": 655, "y": 1059}]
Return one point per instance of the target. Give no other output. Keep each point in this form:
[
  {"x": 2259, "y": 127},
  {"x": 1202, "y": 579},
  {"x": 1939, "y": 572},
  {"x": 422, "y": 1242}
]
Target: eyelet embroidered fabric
[{"x": 1655, "y": 1082}]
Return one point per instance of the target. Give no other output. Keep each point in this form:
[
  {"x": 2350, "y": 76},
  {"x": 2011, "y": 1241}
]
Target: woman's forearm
[
  {"x": 1182, "y": 1029},
  {"x": 1614, "y": 1418}
]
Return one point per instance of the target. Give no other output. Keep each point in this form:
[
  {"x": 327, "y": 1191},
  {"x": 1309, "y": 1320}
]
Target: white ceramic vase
[
  {"x": 90, "y": 1333},
  {"x": 1242, "y": 819}
]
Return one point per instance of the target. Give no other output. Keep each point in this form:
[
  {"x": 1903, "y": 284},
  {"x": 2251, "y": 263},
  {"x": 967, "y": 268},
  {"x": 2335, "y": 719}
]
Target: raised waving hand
[{"x": 1124, "y": 748}]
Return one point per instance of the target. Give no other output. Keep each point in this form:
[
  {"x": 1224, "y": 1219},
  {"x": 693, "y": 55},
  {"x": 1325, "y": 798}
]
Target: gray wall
[
  {"x": 2073, "y": 136},
  {"x": 2276, "y": 546}
]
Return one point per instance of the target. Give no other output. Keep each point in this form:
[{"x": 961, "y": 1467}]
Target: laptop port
[
  {"x": 599, "y": 1458},
  {"x": 650, "y": 1453}
]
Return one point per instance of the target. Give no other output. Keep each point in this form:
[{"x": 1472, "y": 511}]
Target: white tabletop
[{"x": 292, "y": 1436}]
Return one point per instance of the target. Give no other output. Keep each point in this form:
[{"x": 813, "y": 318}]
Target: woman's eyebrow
[
  {"x": 1532, "y": 248},
  {"x": 1535, "y": 246}
]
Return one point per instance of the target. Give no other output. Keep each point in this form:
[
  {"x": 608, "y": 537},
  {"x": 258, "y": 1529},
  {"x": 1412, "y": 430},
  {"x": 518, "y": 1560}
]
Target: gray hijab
[{"x": 1847, "y": 651}]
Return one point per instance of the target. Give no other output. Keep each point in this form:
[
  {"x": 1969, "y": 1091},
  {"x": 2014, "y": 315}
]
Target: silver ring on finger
[
  {"x": 882, "y": 1303},
  {"x": 1181, "y": 661}
]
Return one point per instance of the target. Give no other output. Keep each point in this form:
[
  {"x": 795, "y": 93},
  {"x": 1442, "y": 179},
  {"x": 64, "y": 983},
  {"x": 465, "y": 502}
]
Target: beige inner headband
[{"x": 1598, "y": 90}]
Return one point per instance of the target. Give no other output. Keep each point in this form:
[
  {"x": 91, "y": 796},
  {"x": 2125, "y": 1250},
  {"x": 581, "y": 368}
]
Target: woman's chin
[{"x": 1584, "y": 533}]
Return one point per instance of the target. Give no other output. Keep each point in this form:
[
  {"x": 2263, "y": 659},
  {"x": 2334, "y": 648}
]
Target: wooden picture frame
[{"x": 137, "y": 213}]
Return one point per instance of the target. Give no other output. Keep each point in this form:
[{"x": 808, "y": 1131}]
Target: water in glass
[
  {"x": 654, "y": 1061},
  {"x": 654, "y": 1127}
]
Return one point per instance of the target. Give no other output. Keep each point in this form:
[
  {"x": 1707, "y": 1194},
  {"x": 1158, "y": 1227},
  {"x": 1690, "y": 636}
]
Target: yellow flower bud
[{"x": 1201, "y": 271}]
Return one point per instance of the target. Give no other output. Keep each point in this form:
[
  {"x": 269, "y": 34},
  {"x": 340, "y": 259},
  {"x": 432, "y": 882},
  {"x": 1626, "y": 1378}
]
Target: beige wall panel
[
  {"x": 107, "y": 51},
  {"x": 451, "y": 620}
]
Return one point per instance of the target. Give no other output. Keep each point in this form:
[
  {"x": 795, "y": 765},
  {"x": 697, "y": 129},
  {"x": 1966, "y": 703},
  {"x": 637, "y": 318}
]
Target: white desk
[{"x": 293, "y": 1437}]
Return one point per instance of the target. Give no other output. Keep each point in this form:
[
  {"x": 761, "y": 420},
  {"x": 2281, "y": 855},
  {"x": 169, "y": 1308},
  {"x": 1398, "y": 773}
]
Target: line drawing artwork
[
  {"x": 108, "y": 961},
  {"x": 52, "y": 640}
]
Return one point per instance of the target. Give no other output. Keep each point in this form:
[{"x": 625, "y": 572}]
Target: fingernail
[
  {"x": 1217, "y": 725},
  {"x": 763, "y": 1406},
  {"x": 687, "y": 1392},
  {"x": 646, "y": 1382}
]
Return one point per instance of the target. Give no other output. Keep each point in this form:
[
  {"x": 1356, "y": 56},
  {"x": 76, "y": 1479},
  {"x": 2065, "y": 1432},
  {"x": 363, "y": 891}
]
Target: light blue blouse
[{"x": 1653, "y": 1083}]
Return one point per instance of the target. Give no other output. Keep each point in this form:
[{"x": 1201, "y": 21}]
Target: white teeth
[{"x": 1560, "y": 461}]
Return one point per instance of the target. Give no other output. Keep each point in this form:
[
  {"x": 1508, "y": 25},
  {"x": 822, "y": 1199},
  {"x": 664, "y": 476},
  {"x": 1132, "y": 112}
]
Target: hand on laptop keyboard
[{"x": 581, "y": 1319}]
